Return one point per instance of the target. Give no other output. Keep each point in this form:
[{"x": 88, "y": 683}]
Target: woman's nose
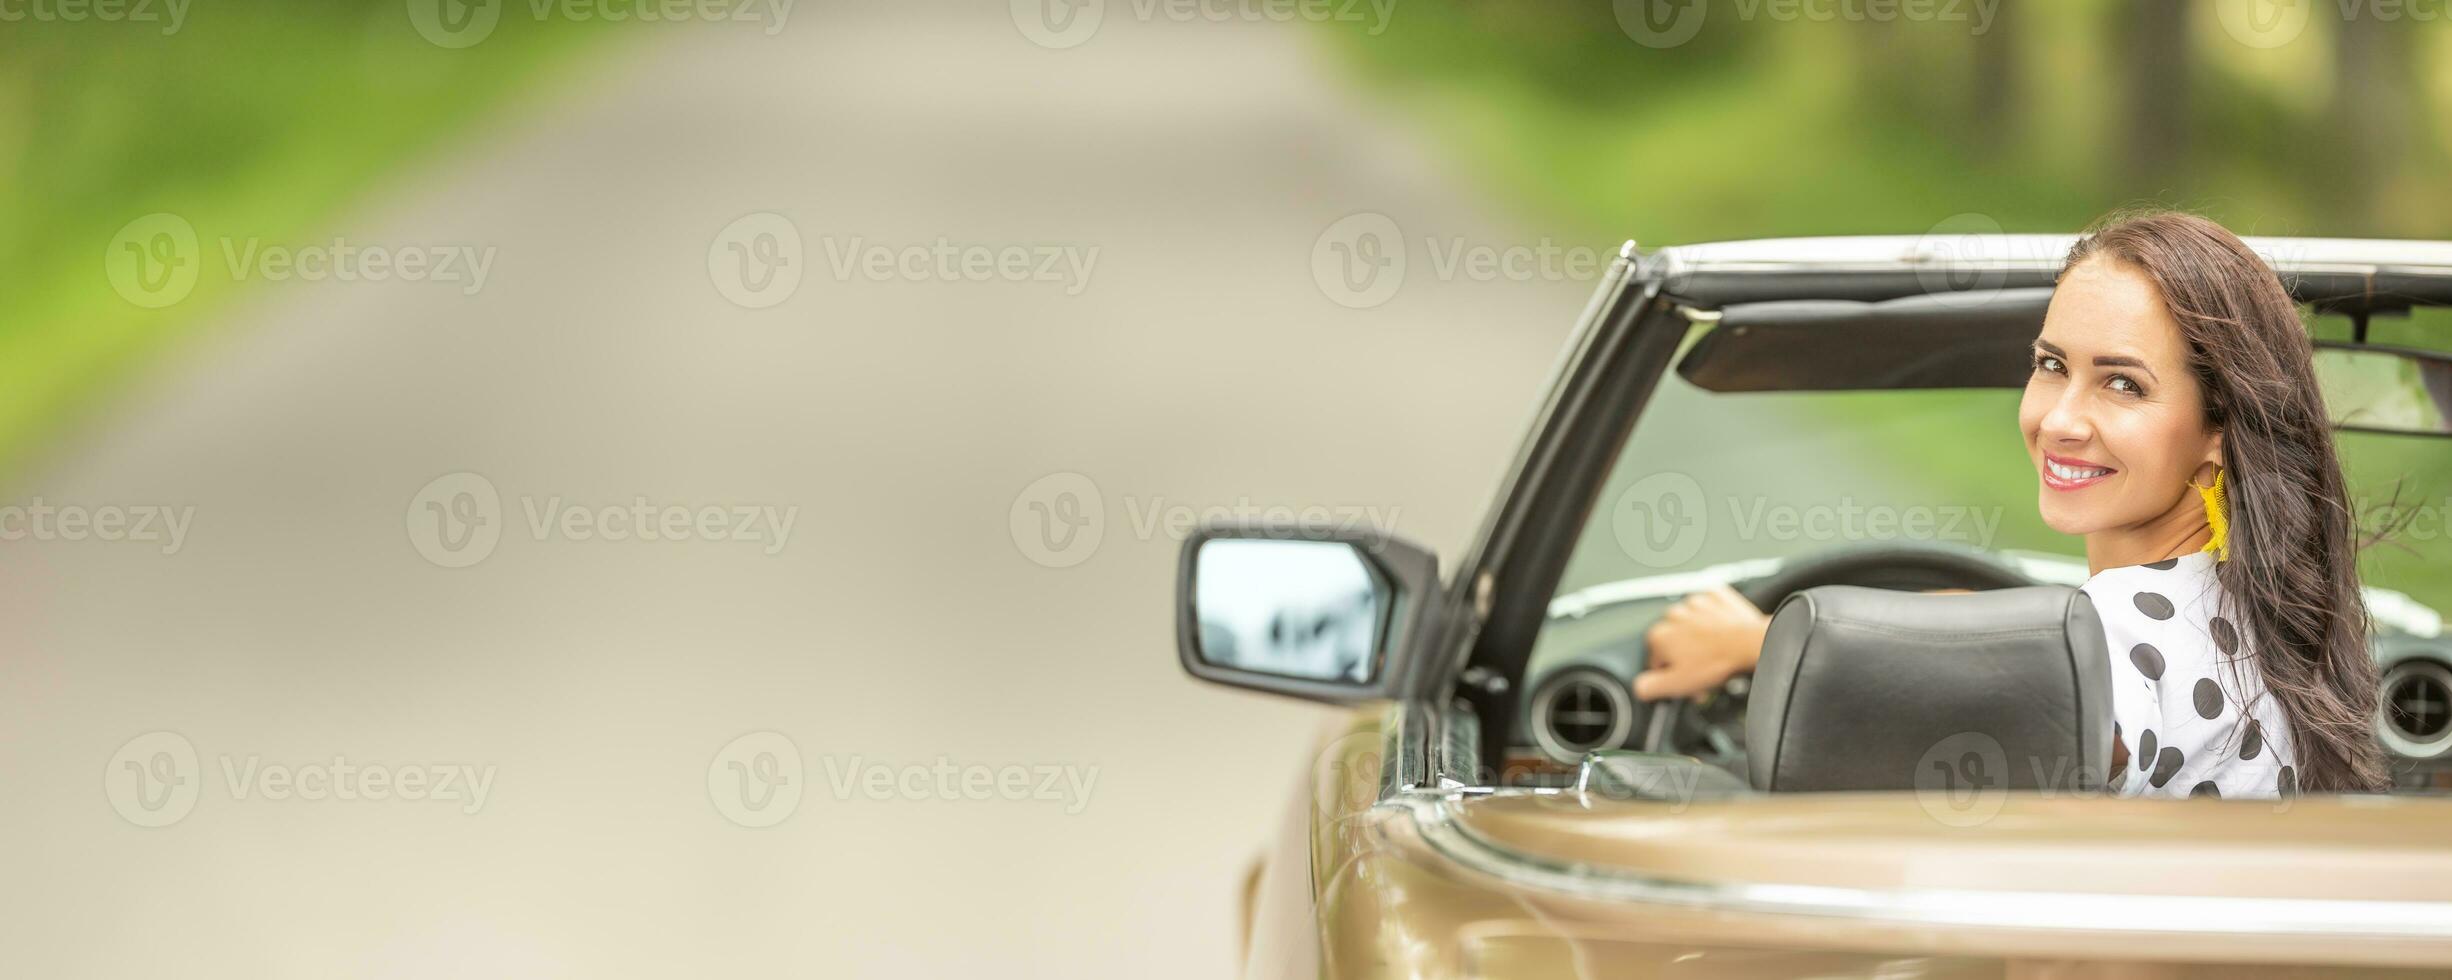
[{"x": 2066, "y": 421}]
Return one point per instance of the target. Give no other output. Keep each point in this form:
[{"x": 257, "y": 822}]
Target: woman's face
[{"x": 2113, "y": 417}]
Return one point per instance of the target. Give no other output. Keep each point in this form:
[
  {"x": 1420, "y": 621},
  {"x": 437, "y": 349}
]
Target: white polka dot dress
[{"x": 2186, "y": 697}]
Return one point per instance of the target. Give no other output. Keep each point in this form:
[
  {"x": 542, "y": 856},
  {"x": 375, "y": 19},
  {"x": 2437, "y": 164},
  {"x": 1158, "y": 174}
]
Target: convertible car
[{"x": 1911, "y": 782}]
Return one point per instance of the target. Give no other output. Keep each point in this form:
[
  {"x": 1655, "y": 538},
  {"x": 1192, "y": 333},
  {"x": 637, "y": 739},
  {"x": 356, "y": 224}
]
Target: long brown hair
[{"x": 2292, "y": 576}]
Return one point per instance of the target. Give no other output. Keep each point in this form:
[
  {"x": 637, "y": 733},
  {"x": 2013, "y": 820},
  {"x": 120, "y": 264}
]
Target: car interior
[
  {"x": 1864, "y": 671},
  {"x": 2022, "y": 667}
]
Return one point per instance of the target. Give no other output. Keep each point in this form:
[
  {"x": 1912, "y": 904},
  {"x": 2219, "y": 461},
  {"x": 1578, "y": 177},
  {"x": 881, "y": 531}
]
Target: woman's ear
[{"x": 2213, "y": 454}]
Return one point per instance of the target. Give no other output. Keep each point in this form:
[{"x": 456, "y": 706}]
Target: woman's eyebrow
[
  {"x": 2116, "y": 360},
  {"x": 2104, "y": 360}
]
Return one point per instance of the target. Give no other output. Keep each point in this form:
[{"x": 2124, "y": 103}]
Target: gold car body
[{"x": 1441, "y": 882}]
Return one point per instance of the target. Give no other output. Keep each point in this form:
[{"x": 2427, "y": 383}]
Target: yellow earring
[{"x": 2216, "y": 517}]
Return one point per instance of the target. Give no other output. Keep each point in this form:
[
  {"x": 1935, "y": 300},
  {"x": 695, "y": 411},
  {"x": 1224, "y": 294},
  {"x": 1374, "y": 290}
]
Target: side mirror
[
  {"x": 2395, "y": 390},
  {"x": 1327, "y": 616}
]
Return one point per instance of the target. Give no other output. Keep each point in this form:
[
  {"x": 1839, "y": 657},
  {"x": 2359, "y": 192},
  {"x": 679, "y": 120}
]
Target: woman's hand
[{"x": 1699, "y": 643}]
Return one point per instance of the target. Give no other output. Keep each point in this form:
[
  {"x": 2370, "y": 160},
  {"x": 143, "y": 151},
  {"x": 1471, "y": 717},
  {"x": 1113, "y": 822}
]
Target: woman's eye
[
  {"x": 2046, "y": 362},
  {"x": 2118, "y": 380}
]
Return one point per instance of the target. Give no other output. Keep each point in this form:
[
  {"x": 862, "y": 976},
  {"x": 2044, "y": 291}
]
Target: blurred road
[{"x": 925, "y": 610}]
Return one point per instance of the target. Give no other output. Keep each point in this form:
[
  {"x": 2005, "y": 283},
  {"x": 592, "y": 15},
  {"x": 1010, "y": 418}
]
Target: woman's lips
[{"x": 2064, "y": 473}]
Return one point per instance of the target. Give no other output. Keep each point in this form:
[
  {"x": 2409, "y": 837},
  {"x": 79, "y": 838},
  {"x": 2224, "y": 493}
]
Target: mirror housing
[
  {"x": 2391, "y": 390},
  {"x": 1326, "y": 615}
]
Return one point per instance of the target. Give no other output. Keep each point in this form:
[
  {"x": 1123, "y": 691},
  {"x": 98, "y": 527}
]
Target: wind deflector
[{"x": 1941, "y": 340}]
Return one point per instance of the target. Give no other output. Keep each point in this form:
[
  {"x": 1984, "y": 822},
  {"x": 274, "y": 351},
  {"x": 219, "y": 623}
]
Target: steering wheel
[{"x": 1885, "y": 565}]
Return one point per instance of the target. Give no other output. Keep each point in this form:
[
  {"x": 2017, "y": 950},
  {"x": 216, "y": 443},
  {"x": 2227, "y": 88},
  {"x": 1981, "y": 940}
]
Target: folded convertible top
[{"x": 1942, "y": 340}]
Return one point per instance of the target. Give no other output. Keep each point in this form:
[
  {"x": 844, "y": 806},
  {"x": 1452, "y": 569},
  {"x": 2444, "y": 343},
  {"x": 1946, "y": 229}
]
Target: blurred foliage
[
  {"x": 2039, "y": 120},
  {"x": 250, "y": 118}
]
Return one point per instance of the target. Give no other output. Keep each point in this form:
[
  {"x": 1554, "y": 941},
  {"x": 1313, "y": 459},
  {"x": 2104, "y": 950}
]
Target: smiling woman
[
  {"x": 2173, "y": 361},
  {"x": 2171, "y": 419},
  {"x": 2115, "y": 434}
]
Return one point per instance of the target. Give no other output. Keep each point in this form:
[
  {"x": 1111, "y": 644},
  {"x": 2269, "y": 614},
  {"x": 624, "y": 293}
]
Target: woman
[{"x": 2173, "y": 420}]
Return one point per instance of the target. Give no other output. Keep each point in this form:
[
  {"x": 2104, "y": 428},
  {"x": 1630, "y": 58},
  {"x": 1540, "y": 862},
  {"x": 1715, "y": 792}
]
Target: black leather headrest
[{"x": 1858, "y": 688}]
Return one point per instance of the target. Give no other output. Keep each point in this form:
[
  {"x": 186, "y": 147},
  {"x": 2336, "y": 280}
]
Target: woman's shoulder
[
  {"x": 2167, "y": 621},
  {"x": 2175, "y": 595},
  {"x": 2160, "y": 591},
  {"x": 2183, "y": 670}
]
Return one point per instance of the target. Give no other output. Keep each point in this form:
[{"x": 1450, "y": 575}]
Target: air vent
[
  {"x": 1580, "y": 709},
  {"x": 2417, "y": 708}
]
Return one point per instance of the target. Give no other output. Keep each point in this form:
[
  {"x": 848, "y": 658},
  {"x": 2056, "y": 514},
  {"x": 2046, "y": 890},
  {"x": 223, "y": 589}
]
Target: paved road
[{"x": 920, "y": 613}]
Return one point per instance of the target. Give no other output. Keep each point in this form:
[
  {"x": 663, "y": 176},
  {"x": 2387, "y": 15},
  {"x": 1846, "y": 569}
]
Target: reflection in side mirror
[
  {"x": 2385, "y": 389},
  {"x": 1329, "y": 615},
  {"x": 1312, "y": 610}
]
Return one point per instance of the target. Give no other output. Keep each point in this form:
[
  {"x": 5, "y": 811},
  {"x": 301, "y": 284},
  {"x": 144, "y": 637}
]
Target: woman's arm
[
  {"x": 2205, "y": 742},
  {"x": 1699, "y": 643},
  {"x": 1702, "y": 641}
]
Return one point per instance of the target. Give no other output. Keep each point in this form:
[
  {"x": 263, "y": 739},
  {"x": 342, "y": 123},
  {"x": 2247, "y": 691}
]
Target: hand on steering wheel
[{"x": 1699, "y": 643}]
